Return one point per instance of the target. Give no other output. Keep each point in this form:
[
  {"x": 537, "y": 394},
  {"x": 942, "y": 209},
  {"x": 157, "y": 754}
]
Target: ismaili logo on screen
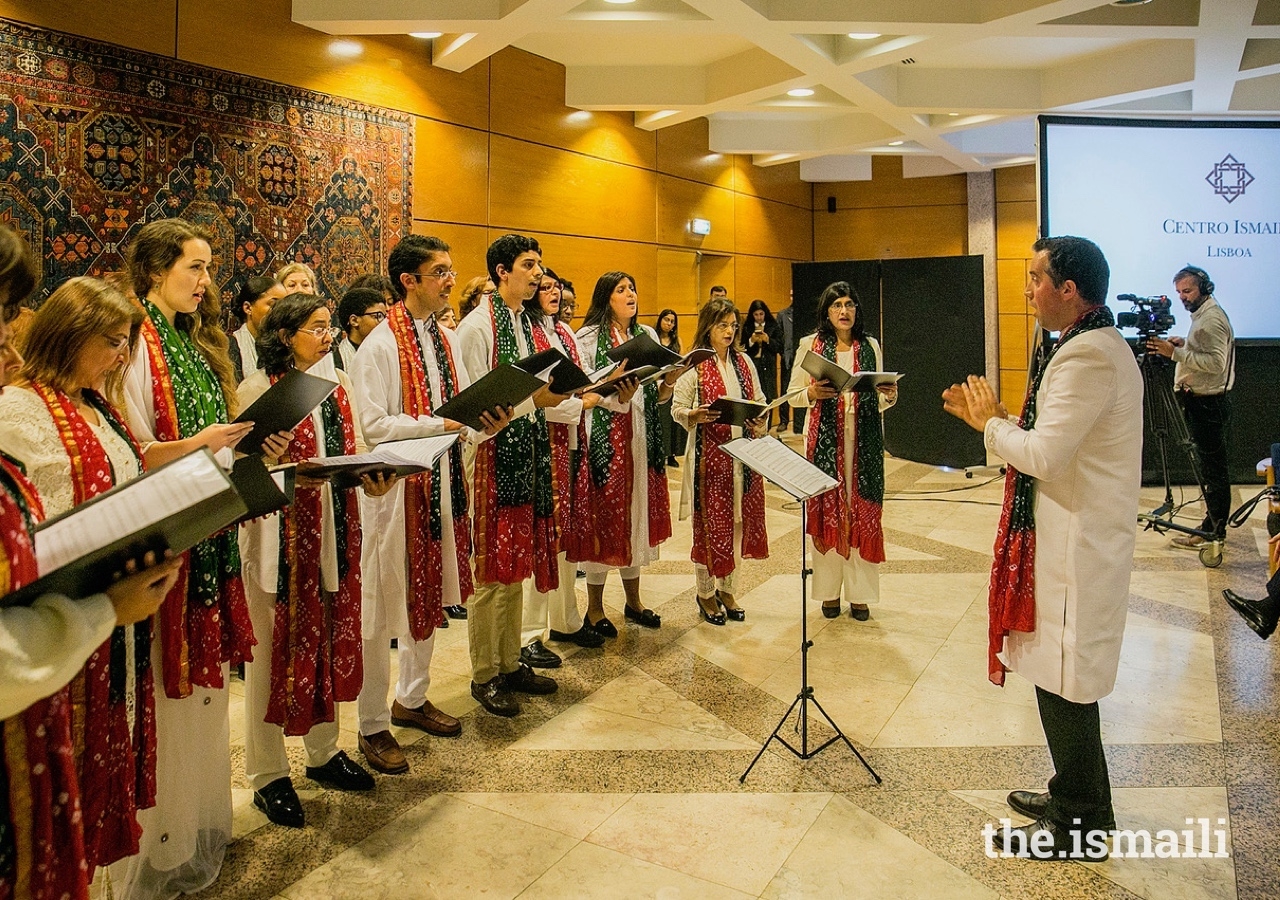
[{"x": 1229, "y": 178}]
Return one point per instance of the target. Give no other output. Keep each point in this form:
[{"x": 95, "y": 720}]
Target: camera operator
[{"x": 1204, "y": 374}]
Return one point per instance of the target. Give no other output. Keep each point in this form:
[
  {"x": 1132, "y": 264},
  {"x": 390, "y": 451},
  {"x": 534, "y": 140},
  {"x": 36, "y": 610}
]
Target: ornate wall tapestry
[{"x": 96, "y": 140}]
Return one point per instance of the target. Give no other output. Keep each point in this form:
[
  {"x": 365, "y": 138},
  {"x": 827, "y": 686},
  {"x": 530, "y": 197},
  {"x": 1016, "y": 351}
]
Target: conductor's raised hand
[
  {"x": 496, "y": 419},
  {"x": 976, "y": 403}
]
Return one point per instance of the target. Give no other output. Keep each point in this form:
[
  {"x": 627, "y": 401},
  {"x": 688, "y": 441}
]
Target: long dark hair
[
  {"x": 254, "y": 287},
  {"x": 712, "y": 312},
  {"x": 598, "y": 314},
  {"x": 835, "y": 291},
  {"x": 288, "y": 315},
  {"x": 675, "y": 328}
]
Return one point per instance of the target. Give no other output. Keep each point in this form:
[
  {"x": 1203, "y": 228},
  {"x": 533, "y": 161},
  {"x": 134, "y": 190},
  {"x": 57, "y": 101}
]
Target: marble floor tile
[
  {"x": 736, "y": 840},
  {"x": 635, "y": 712},
  {"x": 444, "y": 847},
  {"x": 927, "y": 603},
  {"x": 575, "y": 815},
  {"x": 591, "y": 871},
  {"x": 850, "y": 853},
  {"x": 932, "y": 718},
  {"x": 960, "y": 667},
  {"x": 1189, "y": 590},
  {"x": 866, "y": 649},
  {"x": 859, "y": 706}
]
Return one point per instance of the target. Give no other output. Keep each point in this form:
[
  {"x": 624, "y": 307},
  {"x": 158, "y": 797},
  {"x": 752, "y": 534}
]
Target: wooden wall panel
[
  {"x": 536, "y": 188},
  {"x": 450, "y": 172},
  {"x": 467, "y": 245},
  {"x": 139, "y": 24},
  {"x": 1013, "y": 342},
  {"x": 682, "y": 151},
  {"x": 528, "y": 103},
  {"x": 678, "y": 286},
  {"x": 582, "y": 260},
  {"x": 1016, "y": 183},
  {"x": 780, "y": 183},
  {"x": 891, "y": 232},
  {"x": 679, "y": 201},
  {"x": 768, "y": 228},
  {"x": 393, "y": 71},
  {"x": 1016, "y": 229},
  {"x": 715, "y": 270},
  {"x": 1011, "y": 283},
  {"x": 763, "y": 278}
]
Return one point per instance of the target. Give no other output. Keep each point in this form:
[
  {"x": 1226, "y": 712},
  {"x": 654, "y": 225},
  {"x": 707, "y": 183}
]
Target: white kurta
[
  {"x": 375, "y": 379},
  {"x": 641, "y": 553},
  {"x": 185, "y": 835},
  {"x": 1085, "y": 454}
]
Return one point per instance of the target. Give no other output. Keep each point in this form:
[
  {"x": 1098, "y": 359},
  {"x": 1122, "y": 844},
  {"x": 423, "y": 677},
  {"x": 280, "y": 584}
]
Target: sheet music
[
  {"x": 781, "y": 465},
  {"x": 414, "y": 452},
  {"x": 165, "y": 492}
]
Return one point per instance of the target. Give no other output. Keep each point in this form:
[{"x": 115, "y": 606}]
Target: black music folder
[
  {"x": 172, "y": 507},
  {"x": 504, "y": 386},
  {"x": 738, "y": 412},
  {"x": 282, "y": 407},
  {"x": 565, "y": 377},
  {"x": 400, "y": 458},
  {"x": 263, "y": 490},
  {"x": 643, "y": 350},
  {"x": 823, "y": 369}
]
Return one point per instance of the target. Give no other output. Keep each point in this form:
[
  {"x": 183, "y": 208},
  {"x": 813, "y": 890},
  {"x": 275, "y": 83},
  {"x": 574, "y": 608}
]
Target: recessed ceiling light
[
  {"x": 953, "y": 115},
  {"x": 426, "y": 35},
  {"x": 1129, "y": 2},
  {"x": 800, "y": 92},
  {"x": 619, "y": 2},
  {"x": 895, "y": 143},
  {"x": 863, "y": 35}
]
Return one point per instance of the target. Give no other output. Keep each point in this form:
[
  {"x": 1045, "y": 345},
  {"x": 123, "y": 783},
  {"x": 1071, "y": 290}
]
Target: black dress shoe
[
  {"x": 496, "y": 698},
  {"x": 604, "y": 627},
  {"x": 737, "y": 614},
  {"x": 539, "y": 657},
  {"x": 343, "y": 773},
  {"x": 710, "y": 618},
  {"x": 860, "y": 615},
  {"x": 444, "y": 623},
  {"x": 1028, "y": 803},
  {"x": 526, "y": 681},
  {"x": 1256, "y": 613},
  {"x": 583, "y": 637},
  {"x": 456, "y": 611},
  {"x": 646, "y": 617},
  {"x": 280, "y": 802},
  {"x": 1091, "y": 845},
  {"x": 831, "y": 612}
]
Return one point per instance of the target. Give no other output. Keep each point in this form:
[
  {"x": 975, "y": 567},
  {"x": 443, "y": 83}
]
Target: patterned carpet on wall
[{"x": 96, "y": 140}]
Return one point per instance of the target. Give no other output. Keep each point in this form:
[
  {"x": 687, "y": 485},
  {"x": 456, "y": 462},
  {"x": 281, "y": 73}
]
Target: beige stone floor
[{"x": 626, "y": 782}]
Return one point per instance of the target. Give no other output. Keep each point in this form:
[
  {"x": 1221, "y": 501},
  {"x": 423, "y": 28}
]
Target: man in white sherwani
[{"x": 1078, "y": 445}]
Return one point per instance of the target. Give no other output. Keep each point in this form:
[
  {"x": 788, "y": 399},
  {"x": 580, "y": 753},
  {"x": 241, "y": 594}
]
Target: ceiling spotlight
[
  {"x": 863, "y": 35},
  {"x": 800, "y": 92},
  {"x": 426, "y": 35},
  {"x": 619, "y": 2},
  {"x": 953, "y": 115},
  {"x": 895, "y": 143},
  {"x": 1129, "y": 2}
]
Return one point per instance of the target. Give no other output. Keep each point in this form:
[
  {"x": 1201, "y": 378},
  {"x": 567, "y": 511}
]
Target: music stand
[{"x": 790, "y": 471}]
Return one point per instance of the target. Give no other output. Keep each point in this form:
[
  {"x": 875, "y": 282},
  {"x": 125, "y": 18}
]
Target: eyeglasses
[
  {"x": 548, "y": 288},
  {"x": 321, "y": 333},
  {"x": 849, "y": 305},
  {"x": 376, "y": 316},
  {"x": 439, "y": 275},
  {"x": 726, "y": 326},
  {"x": 117, "y": 343}
]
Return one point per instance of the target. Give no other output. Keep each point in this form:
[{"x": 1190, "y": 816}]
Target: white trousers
[
  {"x": 833, "y": 575},
  {"x": 411, "y": 686},
  {"x": 557, "y": 609},
  {"x": 265, "y": 759},
  {"x": 598, "y": 573}
]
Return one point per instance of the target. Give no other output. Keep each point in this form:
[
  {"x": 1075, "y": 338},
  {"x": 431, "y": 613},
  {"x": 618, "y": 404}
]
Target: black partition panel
[
  {"x": 934, "y": 332},
  {"x": 928, "y": 316}
]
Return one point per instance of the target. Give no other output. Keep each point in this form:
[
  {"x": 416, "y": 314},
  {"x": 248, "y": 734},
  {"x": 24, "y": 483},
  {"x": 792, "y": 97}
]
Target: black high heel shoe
[
  {"x": 737, "y": 614},
  {"x": 714, "y": 619}
]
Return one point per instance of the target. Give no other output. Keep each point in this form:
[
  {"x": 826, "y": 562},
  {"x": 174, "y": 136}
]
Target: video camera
[{"x": 1150, "y": 315}]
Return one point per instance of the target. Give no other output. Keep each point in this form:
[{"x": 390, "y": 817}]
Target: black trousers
[
  {"x": 1080, "y": 788},
  {"x": 1207, "y": 421}
]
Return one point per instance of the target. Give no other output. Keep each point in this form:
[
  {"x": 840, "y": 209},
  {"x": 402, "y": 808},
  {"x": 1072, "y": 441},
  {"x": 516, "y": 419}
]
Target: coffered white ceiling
[{"x": 952, "y": 85}]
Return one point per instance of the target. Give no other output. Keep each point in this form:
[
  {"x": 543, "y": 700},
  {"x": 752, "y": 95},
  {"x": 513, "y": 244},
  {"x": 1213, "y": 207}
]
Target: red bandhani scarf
[
  {"x": 850, "y": 515},
  {"x": 1011, "y": 601},
  {"x": 316, "y": 657},
  {"x": 196, "y": 638},
  {"x": 601, "y": 527},
  {"x": 41, "y": 838},
  {"x": 545, "y": 552},
  {"x": 423, "y": 526},
  {"x": 713, "y": 512},
  {"x": 116, "y": 758}
]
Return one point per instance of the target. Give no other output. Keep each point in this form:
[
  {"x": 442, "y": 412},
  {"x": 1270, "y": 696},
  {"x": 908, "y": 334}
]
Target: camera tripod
[{"x": 1163, "y": 419}]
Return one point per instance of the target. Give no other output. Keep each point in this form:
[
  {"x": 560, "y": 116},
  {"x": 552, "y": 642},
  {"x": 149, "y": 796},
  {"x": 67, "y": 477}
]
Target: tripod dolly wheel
[{"x": 1211, "y": 555}]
